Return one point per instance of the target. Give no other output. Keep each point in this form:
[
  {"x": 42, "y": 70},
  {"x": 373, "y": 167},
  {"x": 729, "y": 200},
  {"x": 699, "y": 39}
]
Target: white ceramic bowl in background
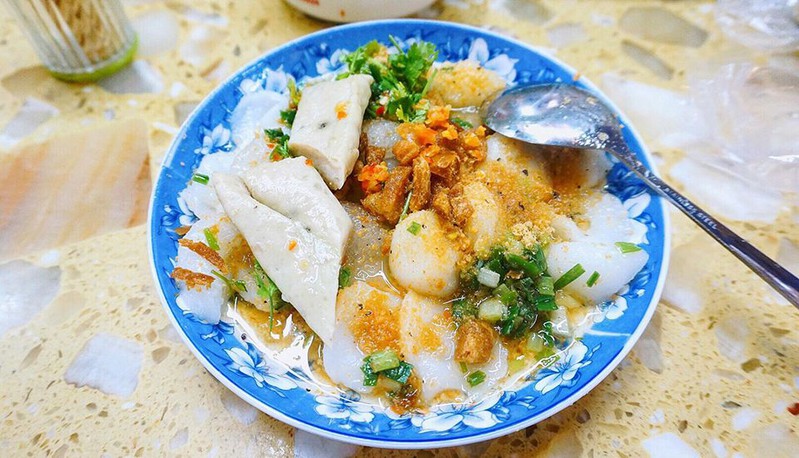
[{"x": 358, "y": 10}]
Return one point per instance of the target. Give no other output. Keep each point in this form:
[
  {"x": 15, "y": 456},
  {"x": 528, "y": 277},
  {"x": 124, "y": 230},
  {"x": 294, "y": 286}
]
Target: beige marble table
[{"x": 90, "y": 366}]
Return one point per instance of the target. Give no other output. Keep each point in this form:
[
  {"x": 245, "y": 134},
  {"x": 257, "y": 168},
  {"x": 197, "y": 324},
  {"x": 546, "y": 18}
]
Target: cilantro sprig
[{"x": 401, "y": 80}]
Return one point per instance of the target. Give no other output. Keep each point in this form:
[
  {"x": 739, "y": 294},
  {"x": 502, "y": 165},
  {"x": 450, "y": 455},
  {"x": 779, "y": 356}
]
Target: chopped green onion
[
  {"x": 294, "y": 93},
  {"x": 476, "y": 378},
  {"x": 200, "y": 178},
  {"x": 491, "y": 310},
  {"x": 540, "y": 259},
  {"x": 287, "y": 116},
  {"x": 275, "y": 135},
  {"x": 369, "y": 376},
  {"x": 488, "y": 277},
  {"x": 592, "y": 279},
  {"x": 518, "y": 262},
  {"x": 546, "y": 334},
  {"x": 545, "y": 303},
  {"x": 505, "y": 294},
  {"x": 344, "y": 277},
  {"x": 545, "y": 285},
  {"x": 235, "y": 285},
  {"x": 462, "y": 123},
  {"x": 571, "y": 275},
  {"x": 461, "y": 309},
  {"x": 464, "y": 368},
  {"x": 414, "y": 228},
  {"x": 267, "y": 290},
  {"x": 211, "y": 239},
  {"x": 535, "y": 343},
  {"x": 405, "y": 207},
  {"x": 627, "y": 247},
  {"x": 399, "y": 374},
  {"x": 383, "y": 359}
]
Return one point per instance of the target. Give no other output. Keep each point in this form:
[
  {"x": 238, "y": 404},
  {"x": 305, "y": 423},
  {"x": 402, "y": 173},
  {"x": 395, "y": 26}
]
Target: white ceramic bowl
[{"x": 358, "y": 10}]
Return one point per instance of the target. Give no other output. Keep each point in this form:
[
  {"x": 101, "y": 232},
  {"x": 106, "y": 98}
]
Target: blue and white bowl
[{"x": 286, "y": 393}]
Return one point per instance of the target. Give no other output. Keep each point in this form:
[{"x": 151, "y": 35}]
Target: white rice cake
[
  {"x": 304, "y": 267},
  {"x": 327, "y": 127}
]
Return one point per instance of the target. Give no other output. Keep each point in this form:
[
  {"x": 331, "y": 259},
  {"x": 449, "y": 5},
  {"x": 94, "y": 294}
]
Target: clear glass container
[{"x": 77, "y": 40}]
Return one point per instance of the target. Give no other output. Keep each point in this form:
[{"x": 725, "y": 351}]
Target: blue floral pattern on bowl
[{"x": 286, "y": 393}]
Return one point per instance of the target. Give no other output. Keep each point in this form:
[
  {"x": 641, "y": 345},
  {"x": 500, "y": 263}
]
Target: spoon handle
[{"x": 774, "y": 274}]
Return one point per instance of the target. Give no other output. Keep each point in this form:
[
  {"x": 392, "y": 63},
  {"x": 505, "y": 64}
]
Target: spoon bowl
[{"x": 568, "y": 116}]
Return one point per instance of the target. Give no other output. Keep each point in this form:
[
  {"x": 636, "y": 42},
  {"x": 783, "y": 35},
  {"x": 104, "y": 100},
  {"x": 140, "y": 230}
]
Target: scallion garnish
[
  {"x": 571, "y": 275},
  {"x": 369, "y": 376},
  {"x": 505, "y": 294},
  {"x": 373, "y": 363},
  {"x": 200, "y": 178},
  {"x": 545, "y": 285},
  {"x": 476, "y": 378},
  {"x": 592, "y": 279},
  {"x": 399, "y": 374},
  {"x": 464, "y": 368},
  {"x": 344, "y": 277},
  {"x": 383, "y": 360},
  {"x": 462, "y": 123},
  {"x": 545, "y": 303},
  {"x": 627, "y": 247},
  {"x": 406, "y": 205},
  {"x": 519, "y": 262},
  {"x": 235, "y": 285},
  {"x": 210, "y": 238},
  {"x": 414, "y": 228}
]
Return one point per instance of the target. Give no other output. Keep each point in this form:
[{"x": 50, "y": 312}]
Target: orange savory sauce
[{"x": 375, "y": 325}]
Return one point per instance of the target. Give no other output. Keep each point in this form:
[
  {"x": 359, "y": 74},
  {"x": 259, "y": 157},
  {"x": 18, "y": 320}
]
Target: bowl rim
[{"x": 413, "y": 444}]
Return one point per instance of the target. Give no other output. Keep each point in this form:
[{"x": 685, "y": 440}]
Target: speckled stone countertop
[{"x": 90, "y": 365}]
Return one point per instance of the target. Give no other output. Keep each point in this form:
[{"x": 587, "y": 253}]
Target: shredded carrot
[
  {"x": 292, "y": 245},
  {"x": 341, "y": 110}
]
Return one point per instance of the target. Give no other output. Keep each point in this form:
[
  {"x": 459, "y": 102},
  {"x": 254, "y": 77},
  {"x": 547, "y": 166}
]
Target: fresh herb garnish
[
  {"x": 267, "y": 290},
  {"x": 414, "y": 228},
  {"x": 281, "y": 141},
  {"x": 387, "y": 363},
  {"x": 384, "y": 359},
  {"x": 406, "y": 206},
  {"x": 464, "y": 368},
  {"x": 592, "y": 279},
  {"x": 235, "y": 285},
  {"x": 287, "y": 116},
  {"x": 545, "y": 285},
  {"x": 210, "y": 238},
  {"x": 572, "y": 274},
  {"x": 400, "y": 79},
  {"x": 200, "y": 178},
  {"x": 369, "y": 376},
  {"x": 476, "y": 378},
  {"x": 399, "y": 374},
  {"x": 344, "y": 277},
  {"x": 627, "y": 247},
  {"x": 462, "y": 123}
]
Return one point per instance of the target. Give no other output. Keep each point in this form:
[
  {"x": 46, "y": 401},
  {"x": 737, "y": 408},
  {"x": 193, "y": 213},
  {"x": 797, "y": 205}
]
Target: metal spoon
[{"x": 565, "y": 115}]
